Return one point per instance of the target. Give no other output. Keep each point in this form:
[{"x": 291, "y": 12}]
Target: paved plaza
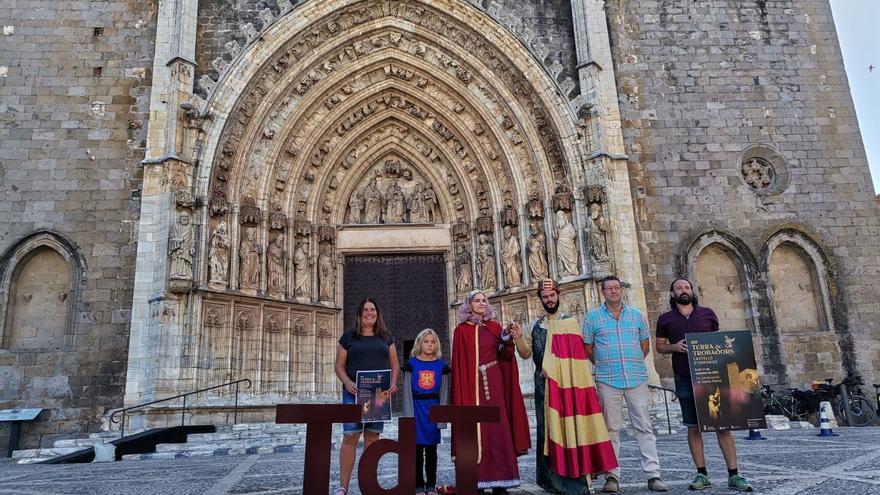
[{"x": 793, "y": 462}]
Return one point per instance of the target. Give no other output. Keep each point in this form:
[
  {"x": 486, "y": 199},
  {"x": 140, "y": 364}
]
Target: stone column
[
  {"x": 166, "y": 170},
  {"x": 599, "y": 94}
]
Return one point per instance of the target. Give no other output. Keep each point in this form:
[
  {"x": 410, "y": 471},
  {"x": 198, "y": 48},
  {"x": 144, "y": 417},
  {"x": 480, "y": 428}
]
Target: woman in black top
[{"x": 368, "y": 346}]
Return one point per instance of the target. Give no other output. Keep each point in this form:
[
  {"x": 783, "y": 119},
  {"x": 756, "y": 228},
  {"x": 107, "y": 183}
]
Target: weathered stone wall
[
  {"x": 701, "y": 81},
  {"x": 72, "y": 123}
]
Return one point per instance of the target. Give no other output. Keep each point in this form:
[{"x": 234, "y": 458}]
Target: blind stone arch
[
  {"x": 800, "y": 302},
  {"x": 723, "y": 272},
  {"x": 41, "y": 247}
]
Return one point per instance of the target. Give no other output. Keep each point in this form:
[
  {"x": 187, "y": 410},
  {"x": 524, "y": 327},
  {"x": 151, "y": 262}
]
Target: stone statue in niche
[
  {"x": 512, "y": 260},
  {"x": 249, "y": 257},
  {"x": 598, "y": 232},
  {"x": 301, "y": 274},
  {"x": 566, "y": 245},
  {"x": 464, "y": 280},
  {"x": 275, "y": 262},
  {"x": 486, "y": 260},
  {"x": 537, "y": 252},
  {"x": 395, "y": 200},
  {"x": 355, "y": 207},
  {"x": 372, "y": 202},
  {"x": 417, "y": 205},
  {"x": 429, "y": 203},
  {"x": 218, "y": 256},
  {"x": 422, "y": 204},
  {"x": 181, "y": 248},
  {"x": 327, "y": 281}
]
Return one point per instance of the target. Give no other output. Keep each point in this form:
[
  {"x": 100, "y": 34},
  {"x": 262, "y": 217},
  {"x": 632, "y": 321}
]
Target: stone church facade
[{"x": 200, "y": 192}]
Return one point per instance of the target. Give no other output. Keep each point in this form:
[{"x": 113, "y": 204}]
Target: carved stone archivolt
[
  {"x": 418, "y": 119},
  {"x": 421, "y": 67}
]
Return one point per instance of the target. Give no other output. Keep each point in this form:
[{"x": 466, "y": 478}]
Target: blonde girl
[{"x": 425, "y": 384}]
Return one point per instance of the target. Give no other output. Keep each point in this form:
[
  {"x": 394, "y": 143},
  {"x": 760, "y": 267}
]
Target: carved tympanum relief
[{"x": 392, "y": 193}]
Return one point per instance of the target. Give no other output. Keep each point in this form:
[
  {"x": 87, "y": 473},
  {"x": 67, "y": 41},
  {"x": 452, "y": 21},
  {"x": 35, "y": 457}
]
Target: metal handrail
[
  {"x": 665, "y": 404},
  {"x": 125, "y": 410}
]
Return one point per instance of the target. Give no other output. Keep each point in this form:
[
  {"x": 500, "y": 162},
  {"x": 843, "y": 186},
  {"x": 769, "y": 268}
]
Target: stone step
[
  {"x": 240, "y": 435},
  {"x": 268, "y": 427},
  {"x": 259, "y": 438},
  {"x": 114, "y": 434},
  {"x": 219, "y": 451},
  {"x": 33, "y": 460},
  {"x": 79, "y": 442},
  {"x": 230, "y": 444},
  {"x": 36, "y": 455}
]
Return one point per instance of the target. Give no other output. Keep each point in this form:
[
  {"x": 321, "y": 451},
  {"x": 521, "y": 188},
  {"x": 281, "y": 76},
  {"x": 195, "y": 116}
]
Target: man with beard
[
  {"x": 687, "y": 316},
  {"x": 572, "y": 441}
]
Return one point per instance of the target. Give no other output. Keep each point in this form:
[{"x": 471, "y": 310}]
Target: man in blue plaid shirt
[{"x": 617, "y": 342}]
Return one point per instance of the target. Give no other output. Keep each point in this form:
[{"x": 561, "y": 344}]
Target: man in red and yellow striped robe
[{"x": 572, "y": 438}]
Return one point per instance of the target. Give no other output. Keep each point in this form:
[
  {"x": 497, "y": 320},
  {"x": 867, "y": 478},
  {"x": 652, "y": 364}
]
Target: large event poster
[
  {"x": 724, "y": 375},
  {"x": 373, "y": 396}
]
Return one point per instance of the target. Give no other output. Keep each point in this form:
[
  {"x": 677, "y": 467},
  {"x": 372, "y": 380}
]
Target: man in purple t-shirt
[{"x": 687, "y": 316}]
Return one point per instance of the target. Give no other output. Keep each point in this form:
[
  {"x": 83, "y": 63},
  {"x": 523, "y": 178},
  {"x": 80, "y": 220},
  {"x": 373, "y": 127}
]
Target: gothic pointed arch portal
[{"x": 426, "y": 125}]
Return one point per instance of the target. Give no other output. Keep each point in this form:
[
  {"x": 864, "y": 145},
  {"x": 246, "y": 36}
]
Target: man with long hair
[{"x": 687, "y": 316}]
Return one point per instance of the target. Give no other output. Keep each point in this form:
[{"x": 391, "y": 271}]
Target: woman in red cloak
[{"x": 484, "y": 372}]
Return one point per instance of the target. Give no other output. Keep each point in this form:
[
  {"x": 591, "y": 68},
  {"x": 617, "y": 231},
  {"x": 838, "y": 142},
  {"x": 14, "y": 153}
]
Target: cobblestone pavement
[{"x": 794, "y": 462}]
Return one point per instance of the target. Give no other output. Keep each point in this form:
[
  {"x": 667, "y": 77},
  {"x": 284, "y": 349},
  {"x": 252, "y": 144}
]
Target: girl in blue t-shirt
[{"x": 423, "y": 387}]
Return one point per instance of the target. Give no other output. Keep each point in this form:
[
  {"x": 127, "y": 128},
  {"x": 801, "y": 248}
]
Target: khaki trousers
[{"x": 638, "y": 403}]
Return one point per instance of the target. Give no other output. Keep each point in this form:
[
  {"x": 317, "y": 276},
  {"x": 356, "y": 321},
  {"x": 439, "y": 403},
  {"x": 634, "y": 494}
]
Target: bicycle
[
  {"x": 793, "y": 405},
  {"x": 863, "y": 411}
]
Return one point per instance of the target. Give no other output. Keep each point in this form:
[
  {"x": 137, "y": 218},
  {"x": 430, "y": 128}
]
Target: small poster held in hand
[{"x": 373, "y": 395}]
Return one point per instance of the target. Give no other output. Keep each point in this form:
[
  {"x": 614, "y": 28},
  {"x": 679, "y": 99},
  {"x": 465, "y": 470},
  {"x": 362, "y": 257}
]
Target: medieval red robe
[{"x": 499, "y": 443}]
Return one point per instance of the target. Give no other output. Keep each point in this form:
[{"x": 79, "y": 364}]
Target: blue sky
[{"x": 857, "y": 24}]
